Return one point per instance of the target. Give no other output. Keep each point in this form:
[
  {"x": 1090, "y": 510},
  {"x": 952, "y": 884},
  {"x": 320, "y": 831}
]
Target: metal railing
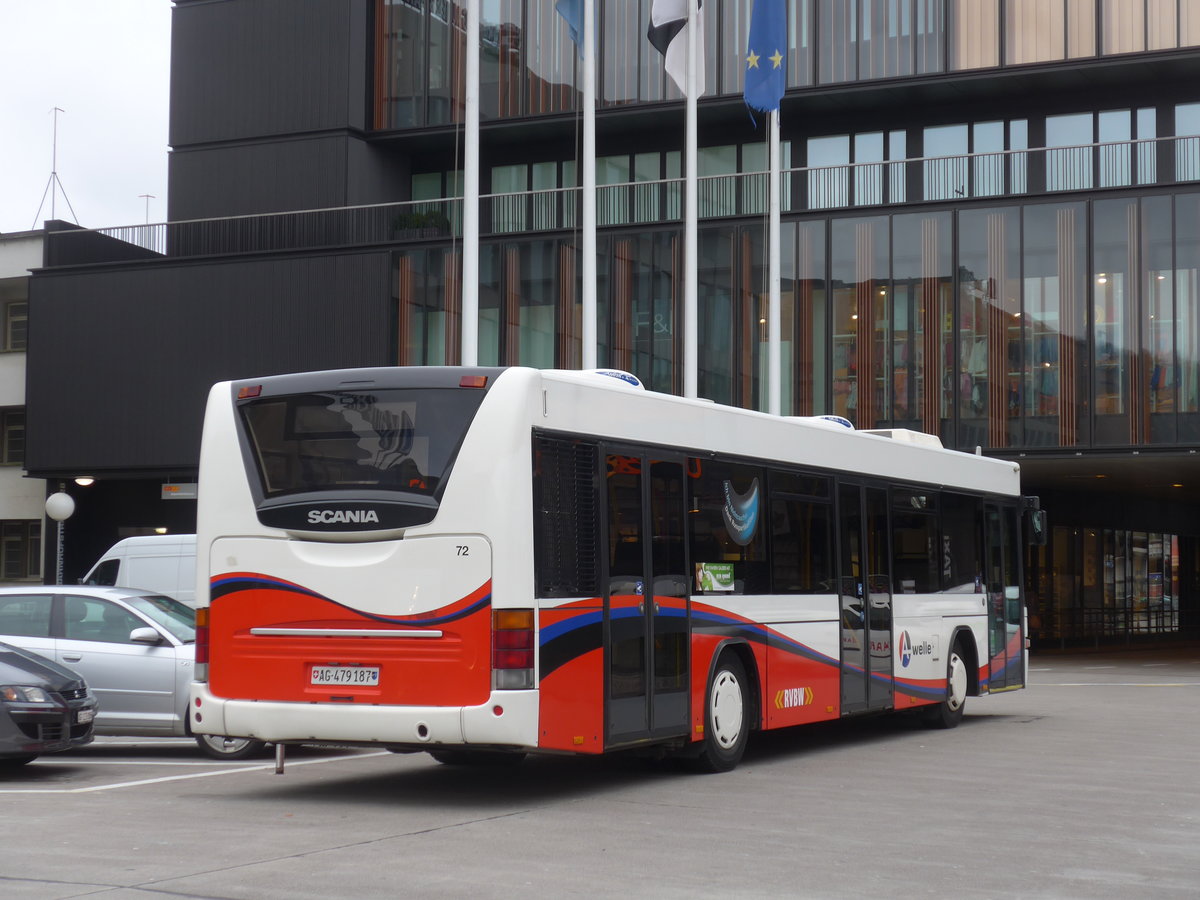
[{"x": 1008, "y": 173}]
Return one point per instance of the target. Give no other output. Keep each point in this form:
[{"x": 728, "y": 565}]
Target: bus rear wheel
[
  {"x": 949, "y": 712},
  {"x": 219, "y": 747},
  {"x": 726, "y": 717}
]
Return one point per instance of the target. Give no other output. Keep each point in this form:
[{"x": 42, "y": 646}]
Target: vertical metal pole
[
  {"x": 58, "y": 565},
  {"x": 589, "y": 186},
  {"x": 470, "y": 265},
  {"x": 58, "y": 561},
  {"x": 690, "y": 216},
  {"x": 774, "y": 348}
]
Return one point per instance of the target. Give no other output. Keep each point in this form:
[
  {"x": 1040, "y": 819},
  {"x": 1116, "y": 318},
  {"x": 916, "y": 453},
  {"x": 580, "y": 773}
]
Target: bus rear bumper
[{"x": 508, "y": 719}]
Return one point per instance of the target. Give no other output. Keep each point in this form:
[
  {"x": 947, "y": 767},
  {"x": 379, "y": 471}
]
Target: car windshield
[{"x": 178, "y": 618}]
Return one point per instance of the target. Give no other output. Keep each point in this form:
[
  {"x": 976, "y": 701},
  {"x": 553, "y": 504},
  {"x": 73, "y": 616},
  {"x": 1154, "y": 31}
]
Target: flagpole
[
  {"x": 589, "y": 185},
  {"x": 690, "y": 211},
  {"x": 470, "y": 262},
  {"x": 774, "y": 362}
]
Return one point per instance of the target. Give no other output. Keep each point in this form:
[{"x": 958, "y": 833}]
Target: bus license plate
[{"x": 351, "y": 675}]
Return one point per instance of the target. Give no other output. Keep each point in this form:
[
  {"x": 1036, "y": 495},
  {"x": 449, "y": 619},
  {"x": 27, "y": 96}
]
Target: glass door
[
  {"x": 646, "y": 601},
  {"x": 866, "y": 599},
  {"x": 1006, "y": 633}
]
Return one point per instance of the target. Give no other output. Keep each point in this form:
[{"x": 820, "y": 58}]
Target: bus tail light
[
  {"x": 512, "y": 649},
  {"x": 202, "y": 644}
]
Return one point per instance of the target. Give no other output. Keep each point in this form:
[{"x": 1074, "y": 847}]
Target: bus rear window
[{"x": 390, "y": 439}]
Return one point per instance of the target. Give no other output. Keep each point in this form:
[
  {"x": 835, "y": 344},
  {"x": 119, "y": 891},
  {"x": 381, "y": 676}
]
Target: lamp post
[{"x": 59, "y": 507}]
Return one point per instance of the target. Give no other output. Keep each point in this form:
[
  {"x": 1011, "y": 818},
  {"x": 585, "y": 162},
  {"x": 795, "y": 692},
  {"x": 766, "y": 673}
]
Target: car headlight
[{"x": 24, "y": 693}]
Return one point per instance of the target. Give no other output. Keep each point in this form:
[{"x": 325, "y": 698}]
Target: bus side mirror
[{"x": 1035, "y": 522}]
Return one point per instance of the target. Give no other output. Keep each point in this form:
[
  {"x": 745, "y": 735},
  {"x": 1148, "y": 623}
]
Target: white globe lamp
[{"x": 59, "y": 507}]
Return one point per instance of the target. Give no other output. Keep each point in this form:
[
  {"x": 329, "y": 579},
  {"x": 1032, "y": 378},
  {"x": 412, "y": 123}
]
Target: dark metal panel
[
  {"x": 120, "y": 361},
  {"x": 260, "y": 177},
  {"x": 266, "y": 67}
]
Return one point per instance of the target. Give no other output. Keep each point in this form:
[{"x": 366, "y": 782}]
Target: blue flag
[
  {"x": 766, "y": 55},
  {"x": 572, "y": 11}
]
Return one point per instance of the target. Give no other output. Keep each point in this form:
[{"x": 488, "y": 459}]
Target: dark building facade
[{"x": 991, "y": 233}]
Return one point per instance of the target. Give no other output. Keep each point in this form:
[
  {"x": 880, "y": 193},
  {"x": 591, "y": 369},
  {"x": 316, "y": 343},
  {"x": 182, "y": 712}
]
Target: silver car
[{"x": 135, "y": 649}]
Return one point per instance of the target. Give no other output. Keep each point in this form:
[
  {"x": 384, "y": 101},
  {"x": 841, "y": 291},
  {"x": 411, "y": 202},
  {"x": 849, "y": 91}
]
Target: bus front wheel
[
  {"x": 726, "y": 717},
  {"x": 949, "y": 712}
]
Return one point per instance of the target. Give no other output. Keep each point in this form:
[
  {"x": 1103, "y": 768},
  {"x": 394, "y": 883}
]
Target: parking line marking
[
  {"x": 1116, "y": 684},
  {"x": 165, "y": 778},
  {"x": 84, "y": 761},
  {"x": 1089, "y": 668}
]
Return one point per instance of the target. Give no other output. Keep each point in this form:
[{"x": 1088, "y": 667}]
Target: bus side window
[
  {"x": 914, "y": 541},
  {"x": 961, "y": 558},
  {"x": 801, "y": 546},
  {"x": 729, "y": 522},
  {"x": 567, "y": 523}
]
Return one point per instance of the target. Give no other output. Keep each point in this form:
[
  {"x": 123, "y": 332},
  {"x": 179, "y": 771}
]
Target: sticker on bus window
[{"x": 714, "y": 577}]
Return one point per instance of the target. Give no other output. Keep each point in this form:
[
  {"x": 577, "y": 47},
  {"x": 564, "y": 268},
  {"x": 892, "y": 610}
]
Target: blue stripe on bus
[{"x": 232, "y": 585}]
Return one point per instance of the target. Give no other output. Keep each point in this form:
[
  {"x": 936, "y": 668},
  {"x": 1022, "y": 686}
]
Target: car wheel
[
  {"x": 949, "y": 712},
  {"x": 219, "y": 747},
  {"x": 477, "y": 757},
  {"x": 726, "y": 717},
  {"x": 12, "y": 762}
]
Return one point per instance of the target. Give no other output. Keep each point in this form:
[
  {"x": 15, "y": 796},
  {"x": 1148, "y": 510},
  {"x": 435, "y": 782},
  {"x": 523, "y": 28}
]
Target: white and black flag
[{"x": 668, "y": 33}]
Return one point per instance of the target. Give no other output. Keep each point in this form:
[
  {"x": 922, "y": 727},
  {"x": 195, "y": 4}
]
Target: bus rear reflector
[
  {"x": 202, "y": 644},
  {"x": 512, "y": 649}
]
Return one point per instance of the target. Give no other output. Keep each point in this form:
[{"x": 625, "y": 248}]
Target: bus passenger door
[
  {"x": 1006, "y": 636},
  {"x": 646, "y": 601},
  {"x": 865, "y": 597}
]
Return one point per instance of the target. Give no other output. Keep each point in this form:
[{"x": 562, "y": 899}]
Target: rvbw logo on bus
[
  {"x": 908, "y": 649},
  {"x": 340, "y": 516}
]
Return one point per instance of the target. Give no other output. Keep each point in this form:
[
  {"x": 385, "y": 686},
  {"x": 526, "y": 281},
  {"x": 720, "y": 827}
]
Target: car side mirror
[{"x": 145, "y": 635}]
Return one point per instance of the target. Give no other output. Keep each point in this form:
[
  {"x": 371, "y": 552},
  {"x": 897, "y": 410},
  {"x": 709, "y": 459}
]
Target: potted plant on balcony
[{"x": 420, "y": 224}]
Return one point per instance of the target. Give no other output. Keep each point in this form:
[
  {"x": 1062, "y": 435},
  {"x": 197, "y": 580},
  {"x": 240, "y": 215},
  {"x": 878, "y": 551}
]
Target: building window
[
  {"x": 16, "y": 315},
  {"x": 20, "y": 550},
  {"x": 974, "y": 27},
  {"x": 12, "y": 436}
]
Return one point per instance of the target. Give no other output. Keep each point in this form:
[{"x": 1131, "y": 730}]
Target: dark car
[{"x": 44, "y": 707}]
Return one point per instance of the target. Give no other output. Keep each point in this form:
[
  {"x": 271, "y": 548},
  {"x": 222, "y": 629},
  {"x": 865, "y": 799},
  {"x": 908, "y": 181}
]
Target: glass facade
[
  {"x": 988, "y": 326},
  {"x": 1105, "y": 583},
  {"x": 1023, "y": 279},
  {"x": 529, "y": 65}
]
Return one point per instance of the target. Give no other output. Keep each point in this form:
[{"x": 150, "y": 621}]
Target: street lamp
[{"x": 59, "y": 507}]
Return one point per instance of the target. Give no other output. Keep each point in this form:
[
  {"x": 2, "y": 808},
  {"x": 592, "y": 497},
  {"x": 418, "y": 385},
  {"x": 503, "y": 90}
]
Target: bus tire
[
  {"x": 726, "y": 717},
  {"x": 477, "y": 758},
  {"x": 220, "y": 747},
  {"x": 949, "y": 712}
]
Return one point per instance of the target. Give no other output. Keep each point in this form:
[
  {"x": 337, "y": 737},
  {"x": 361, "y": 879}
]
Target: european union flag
[{"x": 766, "y": 55}]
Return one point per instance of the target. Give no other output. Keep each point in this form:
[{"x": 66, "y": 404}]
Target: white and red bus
[{"x": 486, "y": 562}]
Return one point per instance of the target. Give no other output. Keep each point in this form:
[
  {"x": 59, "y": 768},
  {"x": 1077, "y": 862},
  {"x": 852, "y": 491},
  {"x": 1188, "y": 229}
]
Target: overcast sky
[{"x": 106, "y": 63}]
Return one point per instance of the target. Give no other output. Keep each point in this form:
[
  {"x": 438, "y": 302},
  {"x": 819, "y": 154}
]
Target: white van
[{"x": 163, "y": 563}]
